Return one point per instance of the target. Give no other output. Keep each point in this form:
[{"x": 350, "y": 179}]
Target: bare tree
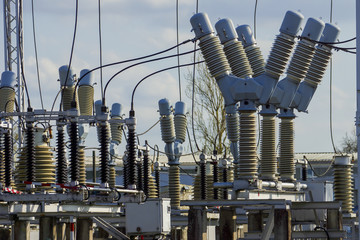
[
  {"x": 349, "y": 143},
  {"x": 209, "y": 110}
]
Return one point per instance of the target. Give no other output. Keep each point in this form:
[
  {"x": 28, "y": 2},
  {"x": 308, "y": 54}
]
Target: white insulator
[
  {"x": 256, "y": 60},
  {"x": 248, "y": 159},
  {"x": 237, "y": 59},
  {"x": 214, "y": 55},
  {"x": 7, "y": 99},
  {"x": 180, "y": 127},
  {"x": 301, "y": 60},
  {"x": 280, "y": 54},
  {"x": 86, "y": 100},
  {"x": 82, "y": 165},
  {"x": 44, "y": 166},
  {"x": 152, "y": 187},
  {"x": 286, "y": 156},
  {"x": 20, "y": 170},
  {"x": 67, "y": 97},
  {"x": 174, "y": 186},
  {"x": 116, "y": 130},
  {"x": 343, "y": 187},
  {"x": 209, "y": 187},
  {"x": 112, "y": 176},
  {"x": 268, "y": 163},
  {"x": 167, "y": 128},
  {"x": 232, "y": 126},
  {"x": 197, "y": 187},
  {"x": 318, "y": 65}
]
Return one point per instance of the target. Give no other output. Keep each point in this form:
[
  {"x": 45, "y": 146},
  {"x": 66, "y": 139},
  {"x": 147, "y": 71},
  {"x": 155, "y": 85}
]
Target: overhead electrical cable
[
  {"x": 100, "y": 53},
  {"x": 177, "y": 43}
]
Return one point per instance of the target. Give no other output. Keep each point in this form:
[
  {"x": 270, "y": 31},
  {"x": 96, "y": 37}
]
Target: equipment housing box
[{"x": 150, "y": 217}]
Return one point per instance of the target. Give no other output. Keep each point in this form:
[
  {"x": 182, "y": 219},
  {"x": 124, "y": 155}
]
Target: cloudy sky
[{"x": 136, "y": 28}]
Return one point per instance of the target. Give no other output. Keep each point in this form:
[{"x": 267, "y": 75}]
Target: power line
[
  {"x": 255, "y": 9},
  {"x": 177, "y": 43},
  {"x": 100, "y": 54}
]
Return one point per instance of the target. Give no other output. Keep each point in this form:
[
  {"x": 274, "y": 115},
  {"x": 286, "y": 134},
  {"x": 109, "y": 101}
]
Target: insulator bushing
[
  {"x": 343, "y": 187},
  {"x": 232, "y": 126},
  {"x": 112, "y": 176},
  {"x": 209, "y": 187},
  {"x": 268, "y": 163},
  {"x": 203, "y": 182},
  {"x": 125, "y": 171},
  {"x": 174, "y": 186},
  {"x": 225, "y": 179},
  {"x": 318, "y": 65},
  {"x": 116, "y": 131},
  {"x": 237, "y": 59},
  {"x": 61, "y": 163},
  {"x": 2, "y": 162},
  {"x": 86, "y": 100},
  {"x": 167, "y": 128},
  {"x": 180, "y": 127},
  {"x": 7, "y": 99},
  {"x": 82, "y": 165},
  {"x": 146, "y": 172},
  {"x": 74, "y": 152},
  {"x": 44, "y": 167},
  {"x": 20, "y": 170},
  {"x": 131, "y": 160},
  {"x": 30, "y": 153},
  {"x": 67, "y": 97},
  {"x": 8, "y": 158},
  {"x": 197, "y": 187},
  {"x": 301, "y": 60},
  {"x": 280, "y": 54},
  {"x": 157, "y": 182},
  {"x": 248, "y": 159},
  {"x": 104, "y": 152},
  {"x": 286, "y": 156},
  {"x": 215, "y": 179},
  {"x": 256, "y": 60},
  {"x": 153, "y": 193},
  {"x": 140, "y": 179}
]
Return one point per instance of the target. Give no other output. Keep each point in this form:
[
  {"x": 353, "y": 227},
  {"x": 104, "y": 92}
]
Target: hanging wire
[
  {"x": 140, "y": 134},
  {"x": 255, "y": 9},
  {"x": 100, "y": 53},
  {"x": 170, "y": 154},
  {"x": 312, "y": 168},
  {"x": 151, "y": 74},
  {"x": 72, "y": 49},
  {"x": 36, "y": 54},
  {"x": 177, "y": 43},
  {"x": 331, "y": 82}
]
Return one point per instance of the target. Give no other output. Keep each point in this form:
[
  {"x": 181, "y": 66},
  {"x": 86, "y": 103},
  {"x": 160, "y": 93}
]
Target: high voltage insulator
[
  {"x": 140, "y": 180},
  {"x": 82, "y": 165},
  {"x": 268, "y": 164},
  {"x": 233, "y": 49},
  {"x": 203, "y": 181},
  {"x": 174, "y": 186},
  {"x": 166, "y": 121},
  {"x": 125, "y": 170},
  {"x": 286, "y": 156},
  {"x": 30, "y": 152},
  {"x": 146, "y": 171},
  {"x": 157, "y": 177},
  {"x": 215, "y": 179},
  {"x": 7, "y": 92},
  {"x": 74, "y": 153},
  {"x": 131, "y": 159},
  {"x": 104, "y": 152},
  {"x": 67, "y": 83},
  {"x": 112, "y": 174},
  {"x": 8, "y": 158},
  {"x": 343, "y": 189},
  {"x": 2, "y": 162},
  {"x": 61, "y": 165},
  {"x": 86, "y": 93},
  {"x": 116, "y": 127},
  {"x": 180, "y": 121},
  {"x": 252, "y": 51}
]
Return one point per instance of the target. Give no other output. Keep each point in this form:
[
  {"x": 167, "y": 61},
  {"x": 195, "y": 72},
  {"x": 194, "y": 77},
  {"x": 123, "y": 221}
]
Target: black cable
[
  {"x": 162, "y": 70},
  {"x": 177, "y": 43},
  {"x": 36, "y": 55},
  {"x": 255, "y": 9},
  {"x": 143, "y": 62},
  {"x": 193, "y": 101},
  {"x": 100, "y": 48},
  {"x": 191, "y": 148},
  {"x": 321, "y": 228},
  {"x": 72, "y": 48},
  {"x": 185, "y": 172},
  {"x": 129, "y": 60}
]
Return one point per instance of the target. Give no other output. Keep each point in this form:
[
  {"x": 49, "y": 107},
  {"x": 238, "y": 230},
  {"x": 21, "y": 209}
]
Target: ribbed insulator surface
[
  {"x": 112, "y": 177},
  {"x": 196, "y": 187},
  {"x": 30, "y": 153},
  {"x": 20, "y": 170},
  {"x": 223, "y": 176},
  {"x": 231, "y": 174},
  {"x": 214, "y": 55},
  {"x": 268, "y": 164},
  {"x": 215, "y": 179},
  {"x": 140, "y": 179},
  {"x": 301, "y": 60},
  {"x": 232, "y": 127},
  {"x": 286, "y": 156},
  {"x": 146, "y": 172},
  {"x": 116, "y": 130},
  {"x": 67, "y": 96},
  {"x": 104, "y": 152},
  {"x": 174, "y": 186},
  {"x": 131, "y": 161},
  {"x": 203, "y": 182},
  {"x": 86, "y": 100},
  {"x": 343, "y": 190},
  {"x": 167, "y": 128},
  {"x": 318, "y": 65},
  {"x": 248, "y": 159},
  {"x": 74, "y": 152},
  {"x": 45, "y": 166},
  {"x": 8, "y": 159},
  {"x": 7, "y": 99},
  {"x": 256, "y": 60},
  {"x": 236, "y": 171},
  {"x": 2, "y": 162},
  {"x": 237, "y": 59},
  {"x": 82, "y": 165},
  {"x": 180, "y": 127},
  {"x": 61, "y": 163},
  {"x": 157, "y": 183},
  {"x": 280, "y": 54},
  {"x": 209, "y": 187},
  {"x": 152, "y": 188}
]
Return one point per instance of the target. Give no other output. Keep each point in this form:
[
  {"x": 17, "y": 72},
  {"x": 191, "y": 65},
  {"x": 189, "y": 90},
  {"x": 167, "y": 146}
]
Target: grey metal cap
[
  {"x": 291, "y": 23},
  {"x": 246, "y": 35},
  {"x": 201, "y": 25},
  {"x": 62, "y": 74},
  {"x": 164, "y": 107},
  {"x": 88, "y": 79},
  {"x": 330, "y": 33},
  {"x": 313, "y": 29},
  {"x": 225, "y": 30},
  {"x": 8, "y": 79}
]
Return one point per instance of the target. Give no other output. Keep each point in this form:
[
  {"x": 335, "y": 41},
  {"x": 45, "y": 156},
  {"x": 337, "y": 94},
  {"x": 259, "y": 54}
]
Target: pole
[
  {"x": 357, "y": 122},
  {"x": 94, "y": 166}
]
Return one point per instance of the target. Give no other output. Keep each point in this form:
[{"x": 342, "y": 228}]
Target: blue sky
[{"x": 135, "y": 28}]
